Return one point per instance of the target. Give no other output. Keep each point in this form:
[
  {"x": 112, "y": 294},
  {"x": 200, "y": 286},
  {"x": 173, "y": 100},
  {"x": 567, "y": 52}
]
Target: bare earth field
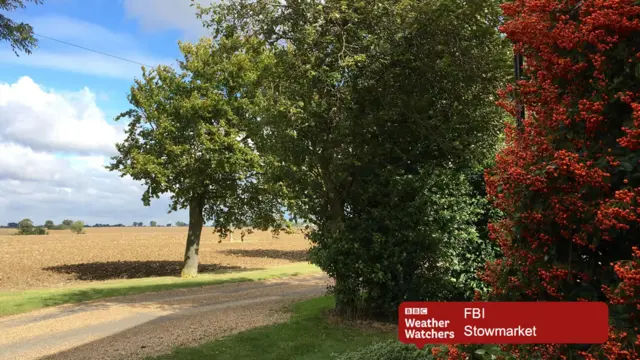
[{"x": 63, "y": 258}]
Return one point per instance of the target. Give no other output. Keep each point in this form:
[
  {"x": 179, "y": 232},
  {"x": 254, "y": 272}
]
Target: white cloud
[
  {"x": 57, "y": 56},
  {"x": 37, "y": 182},
  {"x": 156, "y": 15},
  {"x": 41, "y": 186},
  {"x": 50, "y": 121},
  {"x": 21, "y": 163}
]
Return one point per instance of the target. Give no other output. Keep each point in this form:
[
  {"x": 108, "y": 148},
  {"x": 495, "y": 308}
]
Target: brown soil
[{"x": 63, "y": 258}]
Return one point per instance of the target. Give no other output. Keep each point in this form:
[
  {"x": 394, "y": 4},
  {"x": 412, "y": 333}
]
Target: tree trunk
[
  {"x": 196, "y": 221},
  {"x": 335, "y": 201},
  {"x": 343, "y": 308}
]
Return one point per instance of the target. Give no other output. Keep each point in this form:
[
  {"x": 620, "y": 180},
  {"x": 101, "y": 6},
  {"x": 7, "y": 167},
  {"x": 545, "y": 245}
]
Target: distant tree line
[
  {"x": 26, "y": 227},
  {"x": 155, "y": 224},
  {"x": 66, "y": 224}
]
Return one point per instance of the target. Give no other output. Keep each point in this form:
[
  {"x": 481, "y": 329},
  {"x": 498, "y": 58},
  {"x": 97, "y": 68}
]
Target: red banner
[{"x": 424, "y": 323}]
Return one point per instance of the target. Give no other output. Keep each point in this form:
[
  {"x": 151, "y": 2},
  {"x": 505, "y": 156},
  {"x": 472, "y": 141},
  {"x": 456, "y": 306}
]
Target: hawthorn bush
[{"x": 568, "y": 181}]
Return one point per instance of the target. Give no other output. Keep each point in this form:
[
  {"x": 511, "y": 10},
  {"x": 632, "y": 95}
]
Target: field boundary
[{"x": 21, "y": 301}]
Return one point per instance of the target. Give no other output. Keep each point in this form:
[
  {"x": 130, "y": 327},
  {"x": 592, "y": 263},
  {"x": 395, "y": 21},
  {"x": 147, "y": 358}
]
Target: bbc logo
[{"x": 415, "y": 311}]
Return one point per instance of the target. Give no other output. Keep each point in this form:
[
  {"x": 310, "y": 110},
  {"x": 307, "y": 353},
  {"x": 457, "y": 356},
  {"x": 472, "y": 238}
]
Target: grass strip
[
  {"x": 14, "y": 302},
  {"x": 308, "y": 335}
]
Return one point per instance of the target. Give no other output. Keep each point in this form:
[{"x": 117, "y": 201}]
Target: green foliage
[
  {"x": 487, "y": 352},
  {"x": 366, "y": 112},
  {"x": 475, "y": 178},
  {"x": 414, "y": 238},
  {"x": 77, "y": 227},
  {"x": 306, "y": 336},
  {"x": 153, "y": 224},
  {"x": 49, "y": 224},
  {"x": 478, "y": 253},
  {"x": 181, "y": 223},
  {"x": 67, "y": 222},
  {"x": 26, "y": 227},
  {"x": 20, "y": 301},
  {"x": 184, "y": 137},
  {"x": 394, "y": 350},
  {"x": 19, "y": 35},
  {"x": 389, "y": 350},
  {"x": 40, "y": 230}
]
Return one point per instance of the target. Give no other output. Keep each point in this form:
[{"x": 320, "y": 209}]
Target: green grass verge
[
  {"x": 14, "y": 302},
  {"x": 308, "y": 335}
]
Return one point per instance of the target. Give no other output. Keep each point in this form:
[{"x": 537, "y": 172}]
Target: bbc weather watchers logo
[{"x": 416, "y": 311}]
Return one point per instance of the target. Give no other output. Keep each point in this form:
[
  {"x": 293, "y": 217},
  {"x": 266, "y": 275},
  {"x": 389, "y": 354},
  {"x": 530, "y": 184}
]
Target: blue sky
[{"x": 57, "y": 107}]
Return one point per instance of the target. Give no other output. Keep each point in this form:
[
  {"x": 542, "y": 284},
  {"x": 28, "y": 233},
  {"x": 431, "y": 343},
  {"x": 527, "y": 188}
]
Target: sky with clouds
[{"x": 57, "y": 107}]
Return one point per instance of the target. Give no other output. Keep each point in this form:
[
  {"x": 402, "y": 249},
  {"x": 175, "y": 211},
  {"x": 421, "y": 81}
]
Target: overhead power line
[{"x": 95, "y": 51}]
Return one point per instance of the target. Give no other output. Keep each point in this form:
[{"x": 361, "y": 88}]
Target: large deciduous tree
[
  {"x": 367, "y": 108},
  {"x": 184, "y": 138}
]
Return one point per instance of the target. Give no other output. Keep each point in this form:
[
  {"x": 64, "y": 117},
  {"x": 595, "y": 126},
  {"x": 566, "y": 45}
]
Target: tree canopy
[
  {"x": 361, "y": 101},
  {"x": 185, "y": 138},
  {"x": 19, "y": 35}
]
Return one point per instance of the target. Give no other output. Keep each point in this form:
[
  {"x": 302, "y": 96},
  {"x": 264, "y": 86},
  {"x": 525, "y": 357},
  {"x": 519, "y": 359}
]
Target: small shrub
[
  {"x": 390, "y": 350},
  {"x": 25, "y": 227},
  {"x": 77, "y": 227},
  {"x": 395, "y": 350},
  {"x": 39, "y": 230}
]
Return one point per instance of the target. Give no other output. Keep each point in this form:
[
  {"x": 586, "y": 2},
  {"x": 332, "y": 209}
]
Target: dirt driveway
[{"x": 137, "y": 326}]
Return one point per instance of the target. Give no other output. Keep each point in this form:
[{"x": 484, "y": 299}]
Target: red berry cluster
[{"x": 568, "y": 181}]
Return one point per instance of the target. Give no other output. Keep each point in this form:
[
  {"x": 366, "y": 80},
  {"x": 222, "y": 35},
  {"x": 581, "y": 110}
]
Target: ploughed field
[{"x": 64, "y": 258}]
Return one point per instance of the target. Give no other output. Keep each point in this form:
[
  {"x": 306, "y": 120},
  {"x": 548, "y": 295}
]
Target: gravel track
[{"x": 134, "y": 327}]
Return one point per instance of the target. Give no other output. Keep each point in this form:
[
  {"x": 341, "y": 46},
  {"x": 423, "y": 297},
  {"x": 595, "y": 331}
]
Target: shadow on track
[{"x": 291, "y": 255}]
